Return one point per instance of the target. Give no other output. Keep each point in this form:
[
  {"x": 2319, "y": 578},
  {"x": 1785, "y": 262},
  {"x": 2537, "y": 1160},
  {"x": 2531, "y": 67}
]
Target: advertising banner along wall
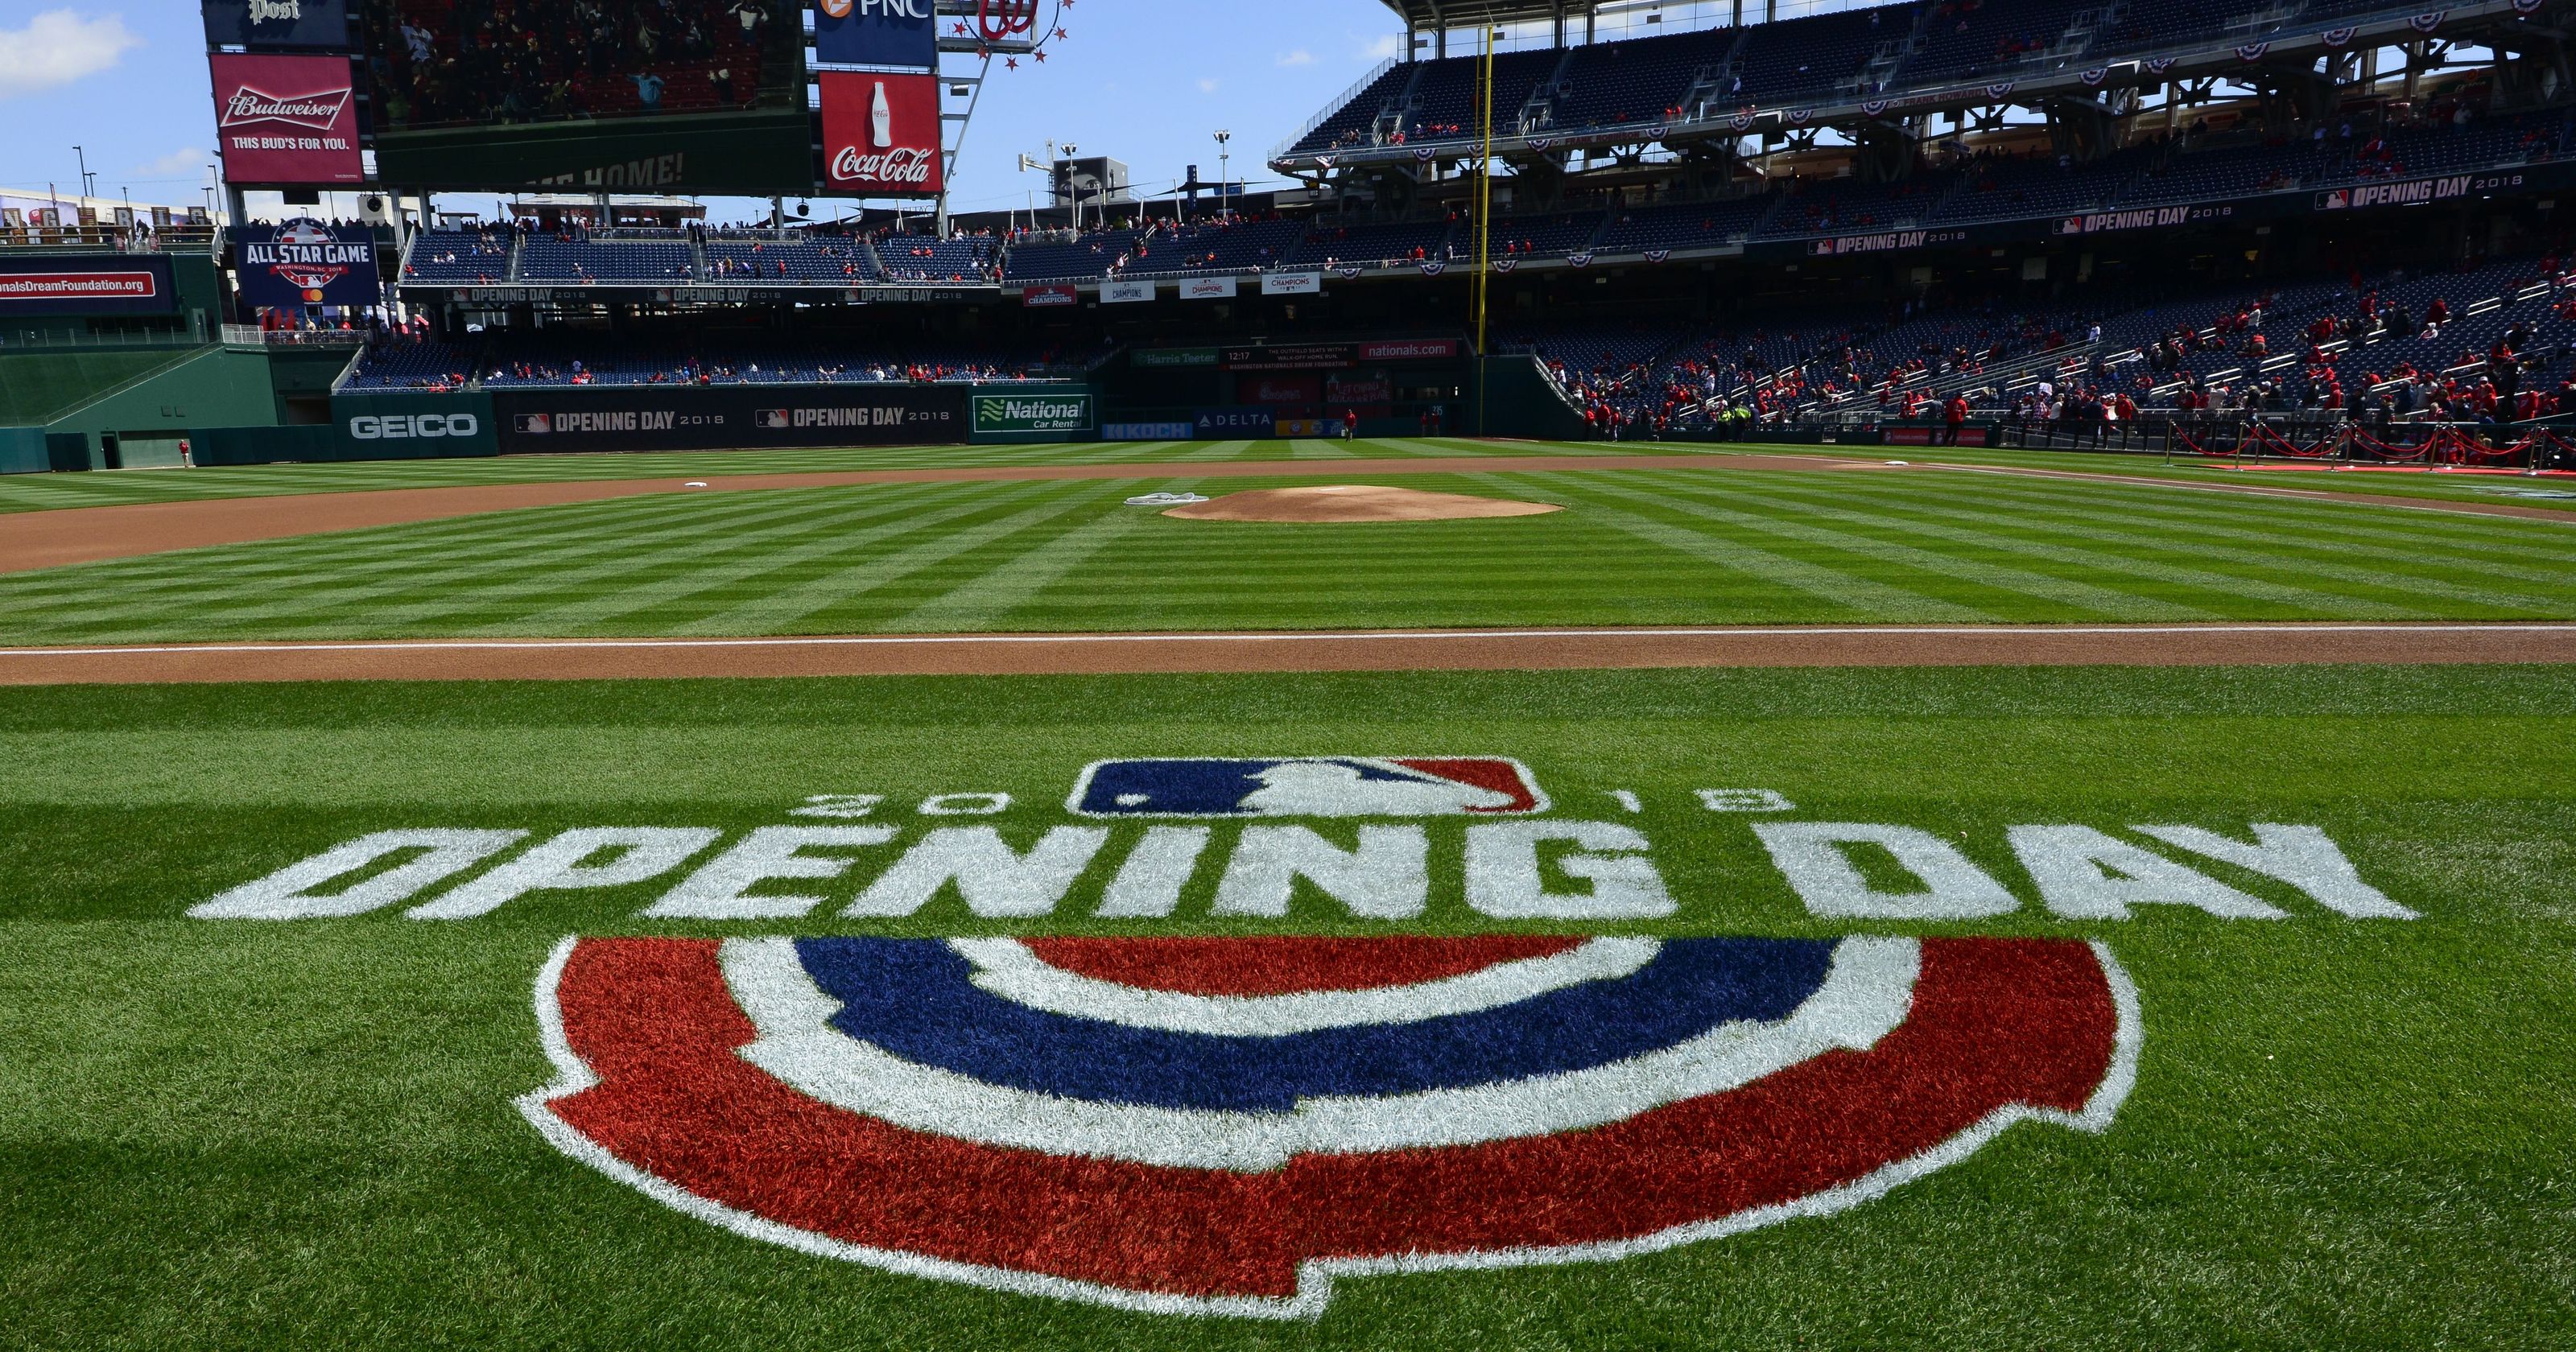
[
  {"x": 881, "y": 134},
  {"x": 86, "y": 284},
  {"x": 1031, "y": 415},
  {"x": 901, "y": 33},
  {"x": 286, "y": 119},
  {"x": 304, "y": 262},
  {"x": 266, "y": 25},
  {"x": 728, "y": 417}
]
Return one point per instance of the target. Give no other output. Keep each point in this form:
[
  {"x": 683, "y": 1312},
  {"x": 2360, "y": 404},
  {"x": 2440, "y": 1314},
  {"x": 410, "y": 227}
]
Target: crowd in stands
[
  {"x": 2489, "y": 343},
  {"x": 466, "y": 62},
  {"x": 414, "y": 361}
]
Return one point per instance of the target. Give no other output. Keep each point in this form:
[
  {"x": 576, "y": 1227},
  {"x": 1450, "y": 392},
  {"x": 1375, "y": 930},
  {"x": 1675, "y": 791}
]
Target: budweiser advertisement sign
[
  {"x": 286, "y": 119},
  {"x": 880, "y": 134}
]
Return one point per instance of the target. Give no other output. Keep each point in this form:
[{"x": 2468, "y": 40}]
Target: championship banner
[
  {"x": 86, "y": 284},
  {"x": 286, "y": 119},
  {"x": 1292, "y": 283},
  {"x": 305, "y": 262},
  {"x": 270, "y": 25},
  {"x": 881, "y": 135},
  {"x": 1126, "y": 293},
  {"x": 1051, "y": 296},
  {"x": 1210, "y": 288},
  {"x": 901, "y": 33}
]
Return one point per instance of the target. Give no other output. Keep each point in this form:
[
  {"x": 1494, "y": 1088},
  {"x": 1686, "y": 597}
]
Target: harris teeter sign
[{"x": 1228, "y": 1126}]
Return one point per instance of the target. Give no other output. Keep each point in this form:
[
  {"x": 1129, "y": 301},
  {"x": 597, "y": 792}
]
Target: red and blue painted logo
[
  {"x": 1224, "y": 1126},
  {"x": 1309, "y": 786}
]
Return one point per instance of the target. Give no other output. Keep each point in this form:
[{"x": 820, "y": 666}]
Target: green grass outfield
[
  {"x": 1722, "y": 545},
  {"x": 2344, "y": 1133},
  {"x": 44, "y": 492}
]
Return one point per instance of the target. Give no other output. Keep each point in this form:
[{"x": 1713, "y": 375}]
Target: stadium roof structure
[{"x": 1421, "y": 15}]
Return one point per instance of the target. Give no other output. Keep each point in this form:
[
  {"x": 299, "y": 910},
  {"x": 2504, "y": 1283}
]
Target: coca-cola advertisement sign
[
  {"x": 286, "y": 119},
  {"x": 880, "y": 134}
]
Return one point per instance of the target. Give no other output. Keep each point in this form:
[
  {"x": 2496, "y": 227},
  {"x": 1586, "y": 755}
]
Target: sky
[{"x": 1147, "y": 82}]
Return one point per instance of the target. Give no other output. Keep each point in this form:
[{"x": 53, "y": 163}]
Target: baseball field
[{"x": 1775, "y": 898}]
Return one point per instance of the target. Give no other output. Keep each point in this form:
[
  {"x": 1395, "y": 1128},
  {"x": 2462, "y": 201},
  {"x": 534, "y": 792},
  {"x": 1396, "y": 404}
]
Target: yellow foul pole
[{"x": 1485, "y": 195}]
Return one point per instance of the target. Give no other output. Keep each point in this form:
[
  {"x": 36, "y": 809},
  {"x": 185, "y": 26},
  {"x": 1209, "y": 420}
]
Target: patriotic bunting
[
  {"x": 1507, "y": 265},
  {"x": 1433, "y": 267},
  {"x": 1873, "y": 107},
  {"x": 2252, "y": 52},
  {"x": 2095, "y": 76},
  {"x": 1998, "y": 91},
  {"x": 2159, "y": 65},
  {"x": 2337, "y": 38},
  {"x": 1580, "y": 260},
  {"x": 1658, "y": 255},
  {"x": 1741, "y": 121},
  {"x": 2426, "y": 23}
]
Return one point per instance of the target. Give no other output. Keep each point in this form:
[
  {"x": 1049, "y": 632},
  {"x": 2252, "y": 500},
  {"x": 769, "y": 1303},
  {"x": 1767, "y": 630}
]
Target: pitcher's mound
[{"x": 1354, "y": 502}]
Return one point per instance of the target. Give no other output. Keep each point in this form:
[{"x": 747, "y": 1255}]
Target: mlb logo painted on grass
[
  {"x": 1224, "y": 1126},
  {"x": 1309, "y": 786}
]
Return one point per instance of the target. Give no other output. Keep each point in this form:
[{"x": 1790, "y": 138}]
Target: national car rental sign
[{"x": 880, "y": 134}]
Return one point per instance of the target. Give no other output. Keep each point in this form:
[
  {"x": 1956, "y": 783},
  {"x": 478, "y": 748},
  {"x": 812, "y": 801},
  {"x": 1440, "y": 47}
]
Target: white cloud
[
  {"x": 1299, "y": 57},
  {"x": 1207, "y": 86},
  {"x": 187, "y": 163},
  {"x": 57, "y": 47},
  {"x": 1386, "y": 48}
]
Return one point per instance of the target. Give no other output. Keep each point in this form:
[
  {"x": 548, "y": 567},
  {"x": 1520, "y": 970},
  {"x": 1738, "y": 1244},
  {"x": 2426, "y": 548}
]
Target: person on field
[
  {"x": 1954, "y": 415},
  {"x": 1350, "y": 424}
]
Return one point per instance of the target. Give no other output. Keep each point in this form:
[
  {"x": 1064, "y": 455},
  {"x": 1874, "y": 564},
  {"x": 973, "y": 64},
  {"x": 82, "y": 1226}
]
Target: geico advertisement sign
[{"x": 416, "y": 427}]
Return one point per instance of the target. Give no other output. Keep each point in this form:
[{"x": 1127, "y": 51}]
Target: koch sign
[
  {"x": 902, "y": 33},
  {"x": 263, "y": 25},
  {"x": 305, "y": 262},
  {"x": 880, "y": 134},
  {"x": 286, "y": 119}
]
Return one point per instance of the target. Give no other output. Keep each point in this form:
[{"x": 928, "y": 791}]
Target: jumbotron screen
[{"x": 583, "y": 95}]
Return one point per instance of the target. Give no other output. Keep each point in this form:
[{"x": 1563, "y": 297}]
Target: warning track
[
  {"x": 53, "y": 539},
  {"x": 1357, "y": 650}
]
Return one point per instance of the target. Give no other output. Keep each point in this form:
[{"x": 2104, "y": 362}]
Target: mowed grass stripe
[
  {"x": 983, "y": 601},
  {"x": 50, "y": 492},
  {"x": 293, "y": 577},
  {"x": 786, "y": 609},
  {"x": 731, "y": 530},
  {"x": 666, "y": 583},
  {"x": 2537, "y": 551},
  {"x": 1845, "y": 593},
  {"x": 2081, "y": 599},
  {"x": 2294, "y": 553},
  {"x": 2085, "y": 541}
]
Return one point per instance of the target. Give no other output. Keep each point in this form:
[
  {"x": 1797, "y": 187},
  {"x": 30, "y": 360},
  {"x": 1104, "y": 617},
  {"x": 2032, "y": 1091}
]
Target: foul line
[{"x": 1345, "y": 636}]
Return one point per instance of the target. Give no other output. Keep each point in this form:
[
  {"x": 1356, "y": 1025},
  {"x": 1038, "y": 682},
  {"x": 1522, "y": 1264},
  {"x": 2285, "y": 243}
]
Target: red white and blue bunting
[
  {"x": 1741, "y": 121},
  {"x": 2337, "y": 38},
  {"x": 1998, "y": 92},
  {"x": 1507, "y": 265},
  {"x": 2094, "y": 77},
  {"x": 1326, "y": 160},
  {"x": 2252, "y": 52},
  {"x": 1658, "y": 255},
  {"x": 2526, "y": 8},
  {"x": 1580, "y": 260},
  {"x": 1350, "y": 271},
  {"x": 1422, "y": 153},
  {"x": 1433, "y": 267},
  {"x": 1798, "y": 116},
  {"x": 1541, "y": 144},
  {"x": 2426, "y": 23},
  {"x": 1873, "y": 107},
  {"x": 2159, "y": 65}
]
